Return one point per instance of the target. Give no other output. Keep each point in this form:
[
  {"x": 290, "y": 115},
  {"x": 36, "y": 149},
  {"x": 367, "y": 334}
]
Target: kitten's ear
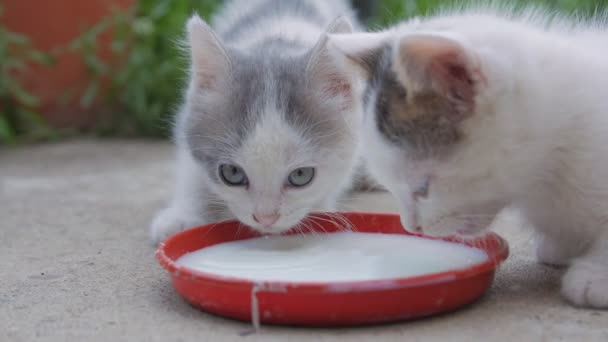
[
  {"x": 360, "y": 52},
  {"x": 431, "y": 64},
  {"x": 210, "y": 61},
  {"x": 323, "y": 68},
  {"x": 340, "y": 25},
  {"x": 325, "y": 73}
]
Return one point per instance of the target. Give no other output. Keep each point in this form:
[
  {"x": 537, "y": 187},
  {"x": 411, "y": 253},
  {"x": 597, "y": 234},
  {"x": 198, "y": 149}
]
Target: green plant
[
  {"x": 17, "y": 114},
  {"x": 146, "y": 86},
  {"x": 144, "y": 82},
  {"x": 392, "y": 11},
  {"x": 141, "y": 88}
]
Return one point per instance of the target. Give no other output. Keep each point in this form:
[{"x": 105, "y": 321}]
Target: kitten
[
  {"x": 469, "y": 112},
  {"x": 269, "y": 129}
]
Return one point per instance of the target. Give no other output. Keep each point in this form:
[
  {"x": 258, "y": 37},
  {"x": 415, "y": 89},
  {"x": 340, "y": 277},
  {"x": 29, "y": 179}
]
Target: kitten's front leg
[
  {"x": 187, "y": 208},
  {"x": 586, "y": 282},
  {"x": 171, "y": 220},
  {"x": 555, "y": 252}
]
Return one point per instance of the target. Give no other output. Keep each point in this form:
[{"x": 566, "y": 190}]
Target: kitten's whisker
[
  {"x": 336, "y": 224},
  {"x": 299, "y": 231},
  {"x": 312, "y": 221},
  {"x": 212, "y": 227},
  {"x": 343, "y": 222},
  {"x": 312, "y": 230},
  {"x": 238, "y": 230}
]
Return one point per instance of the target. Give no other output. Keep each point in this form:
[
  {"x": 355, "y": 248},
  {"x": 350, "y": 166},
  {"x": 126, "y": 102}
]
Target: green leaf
[
  {"x": 35, "y": 128},
  {"x": 7, "y": 134},
  {"x": 143, "y": 27},
  {"x": 23, "y": 96},
  {"x": 30, "y": 117},
  {"x": 14, "y": 64},
  {"x": 161, "y": 9},
  {"x": 95, "y": 65},
  {"x": 118, "y": 46},
  {"x": 40, "y": 57},
  {"x": 16, "y": 38},
  {"x": 89, "y": 95}
]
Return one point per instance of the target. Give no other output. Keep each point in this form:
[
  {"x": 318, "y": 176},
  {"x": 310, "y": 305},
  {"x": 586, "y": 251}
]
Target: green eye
[
  {"x": 301, "y": 177},
  {"x": 233, "y": 175}
]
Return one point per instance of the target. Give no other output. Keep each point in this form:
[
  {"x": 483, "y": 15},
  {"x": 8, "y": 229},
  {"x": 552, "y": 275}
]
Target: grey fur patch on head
[
  {"x": 218, "y": 125},
  {"x": 272, "y": 9},
  {"x": 273, "y": 73},
  {"x": 417, "y": 122}
]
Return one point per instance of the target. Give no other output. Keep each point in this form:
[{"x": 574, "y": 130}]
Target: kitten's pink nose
[{"x": 266, "y": 219}]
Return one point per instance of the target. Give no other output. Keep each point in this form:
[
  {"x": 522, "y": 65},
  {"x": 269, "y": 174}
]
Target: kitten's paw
[
  {"x": 170, "y": 221},
  {"x": 551, "y": 253},
  {"x": 586, "y": 285}
]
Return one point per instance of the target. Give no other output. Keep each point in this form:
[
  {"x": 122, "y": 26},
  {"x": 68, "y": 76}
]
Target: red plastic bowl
[{"x": 327, "y": 304}]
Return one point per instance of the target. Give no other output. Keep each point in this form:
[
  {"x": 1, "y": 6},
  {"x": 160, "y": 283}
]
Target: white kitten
[
  {"x": 473, "y": 111},
  {"x": 270, "y": 127}
]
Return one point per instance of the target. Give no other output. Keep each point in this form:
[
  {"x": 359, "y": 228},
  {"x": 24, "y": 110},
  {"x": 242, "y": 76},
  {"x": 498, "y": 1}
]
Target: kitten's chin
[
  {"x": 454, "y": 228},
  {"x": 271, "y": 230}
]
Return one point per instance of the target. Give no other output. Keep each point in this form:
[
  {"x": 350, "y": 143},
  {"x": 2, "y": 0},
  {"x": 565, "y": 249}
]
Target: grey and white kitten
[{"x": 269, "y": 129}]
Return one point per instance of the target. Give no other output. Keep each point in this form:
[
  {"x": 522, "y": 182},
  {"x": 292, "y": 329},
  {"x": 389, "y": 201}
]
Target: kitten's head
[
  {"x": 430, "y": 130},
  {"x": 276, "y": 134}
]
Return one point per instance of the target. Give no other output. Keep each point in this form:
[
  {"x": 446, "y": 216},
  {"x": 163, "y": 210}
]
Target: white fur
[
  {"x": 273, "y": 149},
  {"x": 290, "y": 28},
  {"x": 269, "y": 155},
  {"x": 537, "y": 141}
]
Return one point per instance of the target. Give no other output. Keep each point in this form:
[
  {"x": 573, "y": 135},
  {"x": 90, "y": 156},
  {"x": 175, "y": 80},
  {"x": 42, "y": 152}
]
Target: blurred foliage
[
  {"x": 147, "y": 80},
  {"x": 391, "y": 11},
  {"x": 146, "y": 86},
  {"x": 17, "y": 114}
]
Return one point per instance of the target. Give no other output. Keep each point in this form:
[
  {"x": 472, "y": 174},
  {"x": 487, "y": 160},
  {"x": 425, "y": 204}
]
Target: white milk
[{"x": 331, "y": 257}]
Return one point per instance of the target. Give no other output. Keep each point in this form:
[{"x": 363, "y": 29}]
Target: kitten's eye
[
  {"x": 301, "y": 177},
  {"x": 233, "y": 175}
]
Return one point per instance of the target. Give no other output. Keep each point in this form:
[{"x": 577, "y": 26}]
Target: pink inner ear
[
  {"x": 338, "y": 86},
  {"x": 452, "y": 73},
  {"x": 440, "y": 65}
]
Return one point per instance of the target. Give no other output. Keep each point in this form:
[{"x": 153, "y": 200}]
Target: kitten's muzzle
[
  {"x": 422, "y": 191},
  {"x": 266, "y": 220},
  {"x": 411, "y": 221}
]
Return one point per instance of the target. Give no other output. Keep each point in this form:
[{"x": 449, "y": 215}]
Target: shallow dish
[{"x": 327, "y": 304}]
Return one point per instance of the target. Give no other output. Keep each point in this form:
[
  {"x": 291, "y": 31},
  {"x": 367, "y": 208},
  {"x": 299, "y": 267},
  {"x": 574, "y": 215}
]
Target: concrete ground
[{"x": 76, "y": 265}]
